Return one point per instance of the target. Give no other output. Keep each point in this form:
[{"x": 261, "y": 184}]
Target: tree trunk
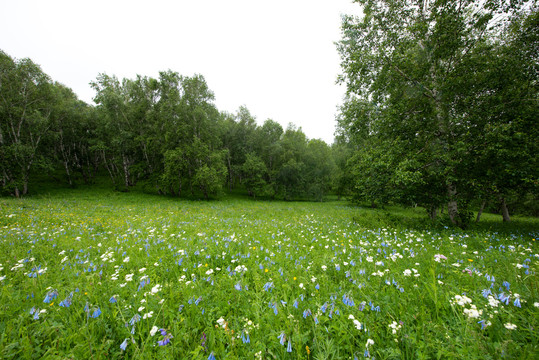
[
  {"x": 452, "y": 208},
  {"x": 229, "y": 173},
  {"x": 191, "y": 182},
  {"x": 480, "y": 212},
  {"x": 205, "y": 191},
  {"x": 180, "y": 183},
  {"x": 145, "y": 153},
  {"x": 109, "y": 169},
  {"x": 66, "y": 158},
  {"x": 25, "y": 180},
  {"x": 505, "y": 211},
  {"x": 433, "y": 212},
  {"x": 68, "y": 173},
  {"x": 126, "y": 172}
]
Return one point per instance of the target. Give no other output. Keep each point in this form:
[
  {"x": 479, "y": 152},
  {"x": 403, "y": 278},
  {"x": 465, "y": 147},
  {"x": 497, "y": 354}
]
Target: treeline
[
  {"x": 165, "y": 134},
  {"x": 442, "y": 106},
  {"x": 441, "y": 112}
]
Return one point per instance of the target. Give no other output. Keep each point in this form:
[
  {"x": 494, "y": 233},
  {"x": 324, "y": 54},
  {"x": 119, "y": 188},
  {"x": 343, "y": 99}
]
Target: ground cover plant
[{"x": 115, "y": 275}]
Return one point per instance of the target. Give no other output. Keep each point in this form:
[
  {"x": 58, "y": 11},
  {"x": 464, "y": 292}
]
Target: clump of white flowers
[
  {"x": 394, "y": 326},
  {"x": 407, "y": 272},
  {"x": 240, "y": 268},
  {"x": 471, "y": 310},
  {"x": 356, "y": 322},
  {"x": 492, "y": 301},
  {"x": 510, "y": 326},
  {"x": 461, "y": 300}
]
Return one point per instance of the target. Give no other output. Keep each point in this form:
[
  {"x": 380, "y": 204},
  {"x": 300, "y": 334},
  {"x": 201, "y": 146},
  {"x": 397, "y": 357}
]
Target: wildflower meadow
[{"x": 133, "y": 276}]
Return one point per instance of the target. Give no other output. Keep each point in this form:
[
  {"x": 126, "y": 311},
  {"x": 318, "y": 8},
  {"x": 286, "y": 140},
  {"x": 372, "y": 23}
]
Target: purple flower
[
  {"x": 35, "y": 312},
  {"x": 244, "y": 338},
  {"x": 51, "y": 295},
  {"x": 268, "y": 286},
  {"x": 123, "y": 345},
  {"x": 504, "y": 298},
  {"x": 163, "y": 342},
  {"x": 324, "y": 307},
  {"x": 203, "y": 341},
  {"x": 67, "y": 301},
  {"x": 347, "y": 300},
  {"x": 134, "y": 319},
  {"x": 482, "y": 322},
  {"x": 282, "y": 338},
  {"x": 166, "y": 338},
  {"x": 96, "y": 313}
]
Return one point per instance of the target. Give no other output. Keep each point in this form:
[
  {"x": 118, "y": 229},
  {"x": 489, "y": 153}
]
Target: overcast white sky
[{"x": 276, "y": 57}]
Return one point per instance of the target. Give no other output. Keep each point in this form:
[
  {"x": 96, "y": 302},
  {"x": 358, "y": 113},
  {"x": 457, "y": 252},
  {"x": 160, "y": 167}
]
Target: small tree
[{"x": 254, "y": 171}]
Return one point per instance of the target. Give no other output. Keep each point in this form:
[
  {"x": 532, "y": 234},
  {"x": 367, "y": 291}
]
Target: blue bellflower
[{"x": 123, "y": 345}]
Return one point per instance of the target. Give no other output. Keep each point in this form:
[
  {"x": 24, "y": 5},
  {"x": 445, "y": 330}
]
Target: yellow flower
[
  {"x": 470, "y": 260},
  {"x": 266, "y": 270},
  {"x": 294, "y": 278},
  {"x": 307, "y": 348}
]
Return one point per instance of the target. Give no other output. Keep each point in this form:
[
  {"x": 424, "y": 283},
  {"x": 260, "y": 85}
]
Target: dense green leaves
[
  {"x": 26, "y": 111},
  {"x": 438, "y": 95},
  {"x": 164, "y": 133}
]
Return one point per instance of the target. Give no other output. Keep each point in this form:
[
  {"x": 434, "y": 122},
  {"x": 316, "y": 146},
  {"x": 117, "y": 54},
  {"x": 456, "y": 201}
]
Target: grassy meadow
[{"x": 107, "y": 275}]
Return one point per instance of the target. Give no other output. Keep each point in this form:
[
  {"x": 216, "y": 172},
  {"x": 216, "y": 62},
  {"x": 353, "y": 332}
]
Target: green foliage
[
  {"x": 26, "y": 112},
  {"x": 254, "y": 172},
  {"x": 164, "y": 133},
  {"x": 439, "y": 96}
]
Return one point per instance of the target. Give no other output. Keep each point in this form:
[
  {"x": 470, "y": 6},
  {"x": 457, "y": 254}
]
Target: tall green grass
[{"x": 236, "y": 279}]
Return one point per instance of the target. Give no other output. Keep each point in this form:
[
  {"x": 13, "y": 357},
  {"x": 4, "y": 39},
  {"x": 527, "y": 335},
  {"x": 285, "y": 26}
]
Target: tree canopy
[
  {"x": 164, "y": 134},
  {"x": 438, "y": 96}
]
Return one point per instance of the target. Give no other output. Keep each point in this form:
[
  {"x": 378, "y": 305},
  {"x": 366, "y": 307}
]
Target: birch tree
[
  {"x": 25, "y": 113},
  {"x": 402, "y": 59}
]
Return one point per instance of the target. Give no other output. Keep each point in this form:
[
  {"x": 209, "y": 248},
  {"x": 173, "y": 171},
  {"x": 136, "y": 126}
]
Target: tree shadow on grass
[{"x": 402, "y": 218}]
